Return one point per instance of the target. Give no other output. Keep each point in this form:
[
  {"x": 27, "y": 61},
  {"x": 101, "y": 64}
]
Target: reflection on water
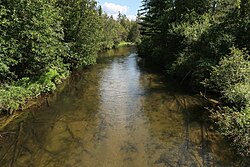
[{"x": 114, "y": 115}]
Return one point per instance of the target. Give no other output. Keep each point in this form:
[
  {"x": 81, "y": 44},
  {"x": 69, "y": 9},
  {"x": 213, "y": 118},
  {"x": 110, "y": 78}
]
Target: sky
[{"x": 127, "y": 7}]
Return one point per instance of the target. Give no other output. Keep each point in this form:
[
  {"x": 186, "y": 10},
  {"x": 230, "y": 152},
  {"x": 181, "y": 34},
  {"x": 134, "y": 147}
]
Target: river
[{"x": 115, "y": 114}]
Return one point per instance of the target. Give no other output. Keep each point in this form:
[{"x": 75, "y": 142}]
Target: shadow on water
[{"x": 115, "y": 114}]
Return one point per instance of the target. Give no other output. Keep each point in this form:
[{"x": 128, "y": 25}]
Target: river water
[{"x": 115, "y": 114}]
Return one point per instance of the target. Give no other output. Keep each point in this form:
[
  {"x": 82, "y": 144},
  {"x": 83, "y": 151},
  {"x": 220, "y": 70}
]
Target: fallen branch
[{"x": 211, "y": 101}]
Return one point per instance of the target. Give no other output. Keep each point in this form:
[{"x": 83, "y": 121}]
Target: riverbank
[
  {"x": 25, "y": 93},
  {"x": 227, "y": 110},
  {"x": 211, "y": 50},
  {"x": 39, "y": 49},
  {"x": 139, "y": 119},
  {"x": 17, "y": 95},
  {"x": 124, "y": 44}
]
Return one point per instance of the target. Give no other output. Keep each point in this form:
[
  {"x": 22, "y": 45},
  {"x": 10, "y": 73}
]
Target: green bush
[
  {"x": 232, "y": 77},
  {"x": 12, "y": 97},
  {"x": 182, "y": 65},
  {"x": 16, "y": 94},
  {"x": 49, "y": 80},
  {"x": 34, "y": 90},
  {"x": 235, "y": 126},
  {"x": 192, "y": 27},
  {"x": 238, "y": 94}
]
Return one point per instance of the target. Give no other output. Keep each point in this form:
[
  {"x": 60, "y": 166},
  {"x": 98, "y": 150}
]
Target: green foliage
[
  {"x": 12, "y": 97},
  {"x": 82, "y": 30},
  {"x": 31, "y": 43},
  {"x": 238, "y": 94},
  {"x": 190, "y": 29},
  {"x": 123, "y": 43},
  {"x": 134, "y": 33},
  {"x": 32, "y": 35},
  {"x": 146, "y": 47},
  {"x": 235, "y": 126},
  {"x": 117, "y": 31},
  {"x": 190, "y": 40},
  {"x": 111, "y": 32},
  {"x": 48, "y": 79},
  {"x": 231, "y": 77},
  {"x": 232, "y": 69},
  {"x": 41, "y": 40},
  {"x": 192, "y": 26},
  {"x": 15, "y": 95},
  {"x": 215, "y": 43}
]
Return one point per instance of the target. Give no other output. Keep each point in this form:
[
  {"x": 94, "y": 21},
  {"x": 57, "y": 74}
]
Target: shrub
[
  {"x": 238, "y": 94},
  {"x": 192, "y": 26},
  {"x": 182, "y": 65},
  {"x": 12, "y": 97},
  {"x": 235, "y": 126},
  {"x": 49, "y": 80},
  {"x": 217, "y": 40},
  {"x": 15, "y": 95},
  {"x": 232, "y": 77}
]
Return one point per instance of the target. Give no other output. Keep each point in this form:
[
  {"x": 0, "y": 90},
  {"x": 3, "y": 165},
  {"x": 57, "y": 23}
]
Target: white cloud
[{"x": 113, "y": 9}]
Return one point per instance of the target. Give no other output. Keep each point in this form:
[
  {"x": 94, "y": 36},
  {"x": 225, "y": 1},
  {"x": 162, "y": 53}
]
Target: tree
[
  {"x": 82, "y": 31},
  {"x": 134, "y": 33},
  {"x": 192, "y": 41},
  {"x": 31, "y": 37}
]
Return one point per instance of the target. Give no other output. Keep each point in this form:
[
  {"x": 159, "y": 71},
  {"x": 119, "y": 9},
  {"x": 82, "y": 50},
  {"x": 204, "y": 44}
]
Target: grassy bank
[
  {"x": 15, "y": 95},
  {"x": 124, "y": 43}
]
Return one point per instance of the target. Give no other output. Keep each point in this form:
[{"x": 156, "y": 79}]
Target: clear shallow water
[{"x": 114, "y": 114}]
